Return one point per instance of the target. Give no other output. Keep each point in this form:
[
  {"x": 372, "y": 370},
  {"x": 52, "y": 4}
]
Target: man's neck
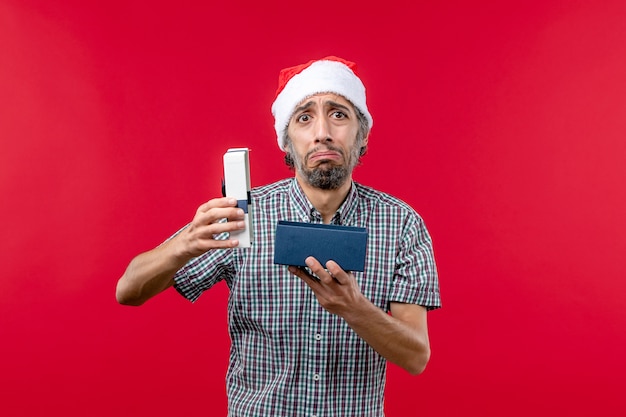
[{"x": 327, "y": 202}]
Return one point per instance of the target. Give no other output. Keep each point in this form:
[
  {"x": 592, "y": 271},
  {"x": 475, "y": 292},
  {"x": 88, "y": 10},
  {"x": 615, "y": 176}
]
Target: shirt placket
[
  {"x": 316, "y": 346},
  {"x": 316, "y": 341}
]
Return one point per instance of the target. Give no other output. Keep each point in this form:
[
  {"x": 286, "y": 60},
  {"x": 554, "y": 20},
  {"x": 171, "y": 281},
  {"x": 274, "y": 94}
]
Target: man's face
[{"x": 323, "y": 135}]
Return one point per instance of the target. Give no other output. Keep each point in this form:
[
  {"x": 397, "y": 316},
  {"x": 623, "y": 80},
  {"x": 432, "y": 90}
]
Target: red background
[{"x": 503, "y": 124}]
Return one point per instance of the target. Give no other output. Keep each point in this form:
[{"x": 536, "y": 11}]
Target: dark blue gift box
[{"x": 297, "y": 241}]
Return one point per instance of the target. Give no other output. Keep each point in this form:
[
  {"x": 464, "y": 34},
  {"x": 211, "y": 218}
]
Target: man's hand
[
  {"x": 336, "y": 290},
  {"x": 207, "y": 223}
]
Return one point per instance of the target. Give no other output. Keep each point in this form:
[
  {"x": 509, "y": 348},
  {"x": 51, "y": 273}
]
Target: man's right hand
[{"x": 207, "y": 224}]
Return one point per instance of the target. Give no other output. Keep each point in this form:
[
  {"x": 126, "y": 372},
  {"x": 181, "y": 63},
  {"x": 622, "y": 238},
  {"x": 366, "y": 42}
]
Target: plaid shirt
[{"x": 289, "y": 357}]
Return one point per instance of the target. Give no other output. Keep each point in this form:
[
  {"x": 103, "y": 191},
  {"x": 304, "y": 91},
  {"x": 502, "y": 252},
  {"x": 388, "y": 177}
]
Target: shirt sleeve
[
  {"x": 416, "y": 280},
  {"x": 203, "y": 272}
]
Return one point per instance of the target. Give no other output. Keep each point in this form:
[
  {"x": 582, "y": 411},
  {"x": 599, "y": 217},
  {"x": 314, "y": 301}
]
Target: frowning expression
[{"x": 322, "y": 139}]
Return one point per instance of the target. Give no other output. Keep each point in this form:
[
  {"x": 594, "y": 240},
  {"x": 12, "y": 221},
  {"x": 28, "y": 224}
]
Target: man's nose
[{"x": 322, "y": 130}]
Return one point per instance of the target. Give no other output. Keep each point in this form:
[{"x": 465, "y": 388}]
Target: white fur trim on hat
[{"x": 324, "y": 76}]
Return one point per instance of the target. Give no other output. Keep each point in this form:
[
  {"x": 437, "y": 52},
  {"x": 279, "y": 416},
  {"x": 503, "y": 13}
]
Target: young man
[{"x": 314, "y": 341}]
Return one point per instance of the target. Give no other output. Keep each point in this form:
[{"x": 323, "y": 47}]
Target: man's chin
[{"x": 327, "y": 177}]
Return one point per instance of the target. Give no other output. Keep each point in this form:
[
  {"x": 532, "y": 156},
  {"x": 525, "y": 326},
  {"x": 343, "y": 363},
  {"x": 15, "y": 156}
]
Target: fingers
[
  {"x": 218, "y": 202},
  {"x": 335, "y": 290},
  {"x": 336, "y": 272},
  {"x": 220, "y": 208},
  {"x": 208, "y": 223},
  {"x": 302, "y": 274},
  {"x": 214, "y": 211},
  {"x": 331, "y": 274}
]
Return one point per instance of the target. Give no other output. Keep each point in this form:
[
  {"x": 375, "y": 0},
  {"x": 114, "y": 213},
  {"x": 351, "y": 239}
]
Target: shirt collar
[{"x": 305, "y": 212}]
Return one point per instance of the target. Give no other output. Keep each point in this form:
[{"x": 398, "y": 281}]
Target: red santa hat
[{"x": 327, "y": 75}]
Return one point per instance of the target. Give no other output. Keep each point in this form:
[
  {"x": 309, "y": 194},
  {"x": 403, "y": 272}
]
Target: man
[{"x": 308, "y": 341}]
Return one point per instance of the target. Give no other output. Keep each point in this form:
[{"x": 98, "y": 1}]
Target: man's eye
[
  {"x": 303, "y": 118},
  {"x": 338, "y": 115}
]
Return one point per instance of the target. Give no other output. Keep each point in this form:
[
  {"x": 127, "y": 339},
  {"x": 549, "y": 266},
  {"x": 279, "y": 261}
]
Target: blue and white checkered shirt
[{"x": 289, "y": 357}]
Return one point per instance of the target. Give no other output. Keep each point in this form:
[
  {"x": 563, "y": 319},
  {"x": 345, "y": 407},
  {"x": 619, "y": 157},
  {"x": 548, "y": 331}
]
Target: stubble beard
[{"x": 326, "y": 175}]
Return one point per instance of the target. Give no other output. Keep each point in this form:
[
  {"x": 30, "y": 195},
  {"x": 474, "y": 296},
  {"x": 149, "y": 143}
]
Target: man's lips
[{"x": 319, "y": 156}]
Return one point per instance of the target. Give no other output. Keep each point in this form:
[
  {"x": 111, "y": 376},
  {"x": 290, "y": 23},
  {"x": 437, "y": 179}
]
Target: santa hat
[{"x": 327, "y": 75}]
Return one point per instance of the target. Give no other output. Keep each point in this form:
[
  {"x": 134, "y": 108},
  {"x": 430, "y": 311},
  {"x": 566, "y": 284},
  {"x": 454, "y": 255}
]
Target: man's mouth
[{"x": 323, "y": 156}]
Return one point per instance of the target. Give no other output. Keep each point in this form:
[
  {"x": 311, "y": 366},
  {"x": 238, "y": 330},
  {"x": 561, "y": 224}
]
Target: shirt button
[
  {"x": 316, "y": 377},
  {"x": 318, "y": 336}
]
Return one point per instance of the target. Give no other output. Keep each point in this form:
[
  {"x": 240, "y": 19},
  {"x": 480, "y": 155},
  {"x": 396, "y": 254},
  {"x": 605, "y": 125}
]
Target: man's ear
[{"x": 364, "y": 144}]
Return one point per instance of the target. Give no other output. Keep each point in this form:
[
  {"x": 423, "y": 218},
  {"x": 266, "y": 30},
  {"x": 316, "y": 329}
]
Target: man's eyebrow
[
  {"x": 334, "y": 104},
  {"x": 305, "y": 106},
  {"x": 328, "y": 103}
]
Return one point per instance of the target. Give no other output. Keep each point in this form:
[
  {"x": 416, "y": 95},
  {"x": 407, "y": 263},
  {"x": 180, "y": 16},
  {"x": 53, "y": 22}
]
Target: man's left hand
[{"x": 336, "y": 290}]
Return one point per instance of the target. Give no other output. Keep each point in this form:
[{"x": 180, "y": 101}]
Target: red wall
[{"x": 503, "y": 125}]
